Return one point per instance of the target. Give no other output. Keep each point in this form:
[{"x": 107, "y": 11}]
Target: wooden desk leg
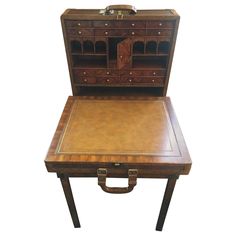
[
  {"x": 165, "y": 202},
  {"x": 69, "y": 198}
]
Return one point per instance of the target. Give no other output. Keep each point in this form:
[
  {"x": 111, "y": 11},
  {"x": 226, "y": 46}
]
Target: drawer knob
[
  {"x": 133, "y": 24},
  {"x": 158, "y": 32},
  {"x": 106, "y": 24},
  {"x": 160, "y": 24},
  {"x": 153, "y": 80},
  {"x": 108, "y": 80},
  {"x": 121, "y": 56},
  {"x": 108, "y": 73},
  {"x": 133, "y": 33},
  {"x": 154, "y": 73},
  {"x": 78, "y": 24},
  {"x": 130, "y": 80},
  {"x": 84, "y": 73},
  {"x": 130, "y": 73},
  {"x": 116, "y": 164},
  {"x": 85, "y": 80},
  {"x": 79, "y": 32},
  {"x": 106, "y": 33}
]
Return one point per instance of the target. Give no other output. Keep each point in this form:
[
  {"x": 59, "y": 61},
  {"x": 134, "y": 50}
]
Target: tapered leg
[
  {"x": 70, "y": 200},
  {"x": 165, "y": 202}
]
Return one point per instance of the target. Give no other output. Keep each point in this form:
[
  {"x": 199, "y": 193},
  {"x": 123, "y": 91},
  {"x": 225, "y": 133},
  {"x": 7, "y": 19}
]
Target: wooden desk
[{"x": 130, "y": 137}]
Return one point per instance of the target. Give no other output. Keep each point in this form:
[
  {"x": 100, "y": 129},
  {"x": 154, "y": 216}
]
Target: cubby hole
[
  {"x": 151, "y": 47},
  {"x": 100, "y": 47},
  {"x": 149, "y": 62},
  {"x": 164, "y": 47},
  {"x": 88, "y": 46},
  {"x": 76, "y": 46},
  {"x": 138, "y": 47}
]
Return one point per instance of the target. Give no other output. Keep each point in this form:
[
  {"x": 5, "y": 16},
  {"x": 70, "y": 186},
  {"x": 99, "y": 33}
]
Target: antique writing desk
[{"x": 118, "y": 123}]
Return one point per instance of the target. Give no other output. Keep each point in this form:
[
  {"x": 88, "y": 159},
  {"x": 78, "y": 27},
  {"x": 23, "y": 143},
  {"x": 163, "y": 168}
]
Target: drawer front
[
  {"x": 153, "y": 72},
  {"x": 79, "y": 24},
  {"x": 84, "y": 32},
  {"x": 126, "y": 80},
  {"x": 105, "y": 32},
  {"x": 107, "y": 73},
  {"x": 139, "y": 80},
  {"x": 120, "y": 171},
  {"x": 84, "y": 72},
  {"x": 142, "y": 80},
  {"x": 159, "y": 32},
  {"x": 103, "y": 24},
  {"x": 160, "y": 24},
  {"x": 131, "y": 24},
  {"x": 143, "y": 73},
  {"x": 119, "y": 24},
  {"x": 86, "y": 80},
  {"x": 132, "y": 73},
  {"x": 107, "y": 80},
  {"x": 153, "y": 80},
  {"x": 80, "y": 32},
  {"x": 137, "y": 32}
]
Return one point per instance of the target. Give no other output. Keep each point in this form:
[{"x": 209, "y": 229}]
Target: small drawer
[
  {"x": 160, "y": 24},
  {"x": 107, "y": 73},
  {"x": 107, "y": 80},
  {"x": 84, "y": 72},
  {"x": 159, "y": 32},
  {"x": 130, "y": 24},
  {"x": 85, "y": 80},
  {"x": 131, "y": 73},
  {"x": 153, "y": 72},
  {"x": 104, "y": 32},
  {"x": 156, "y": 80},
  {"x": 103, "y": 24},
  {"x": 127, "y": 80},
  {"x": 79, "y": 24},
  {"x": 143, "y": 73},
  {"x": 84, "y": 32},
  {"x": 137, "y": 80},
  {"x": 137, "y": 32}
]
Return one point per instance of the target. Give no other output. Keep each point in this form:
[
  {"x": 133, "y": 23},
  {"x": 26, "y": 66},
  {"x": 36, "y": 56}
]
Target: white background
[{"x": 34, "y": 85}]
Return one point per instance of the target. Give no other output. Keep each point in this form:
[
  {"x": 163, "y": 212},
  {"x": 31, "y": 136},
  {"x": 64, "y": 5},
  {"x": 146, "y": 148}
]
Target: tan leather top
[
  {"x": 140, "y": 131},
  {"x": 130, "y": 127}
]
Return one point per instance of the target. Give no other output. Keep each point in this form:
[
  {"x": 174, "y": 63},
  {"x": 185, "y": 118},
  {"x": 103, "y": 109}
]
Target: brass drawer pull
[{"x": 102, "y": 174}]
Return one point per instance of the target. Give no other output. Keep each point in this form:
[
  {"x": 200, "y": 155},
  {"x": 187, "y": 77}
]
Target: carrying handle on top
[{"x": 121, "y": 9}]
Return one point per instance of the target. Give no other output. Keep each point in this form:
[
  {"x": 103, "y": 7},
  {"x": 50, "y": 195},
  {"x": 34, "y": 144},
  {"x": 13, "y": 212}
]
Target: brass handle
[
  {"x": 102, "y": 174},
  {"x": 120, "y": 9}
]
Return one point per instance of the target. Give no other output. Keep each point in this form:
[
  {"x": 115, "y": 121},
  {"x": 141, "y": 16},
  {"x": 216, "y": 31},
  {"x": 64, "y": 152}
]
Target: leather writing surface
[{"x": 127, "y": 127}]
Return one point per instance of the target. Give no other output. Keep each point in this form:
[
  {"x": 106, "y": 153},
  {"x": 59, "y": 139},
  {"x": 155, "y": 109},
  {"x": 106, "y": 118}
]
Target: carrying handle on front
[
  {"x": 121, "y": 9},
  {"x": 102, "y": 174}
]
